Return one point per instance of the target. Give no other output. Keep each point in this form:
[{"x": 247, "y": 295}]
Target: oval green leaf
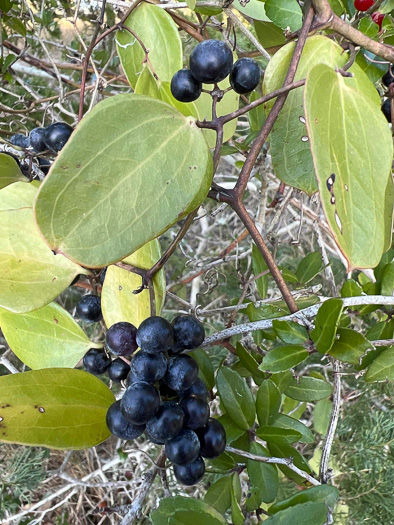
[
  {"x": 181, "y": 510},
  {"x": 284, "y": 357},
  {"x": 350, "y": 347},
  {"x": 326, "y": 324},
  {"x": 284, "y": 450},
  {"x": 18, "y": 195},
  {"x": 285, "y": 421},
  {"x": 310, "y": 513},
  {"x": 263, "y": 476},
  {"x": 284, "y": 13},
  {"x": 308, "y": 389},
  {"x": 324, "y": 493},
  {"x": 219, "y": 494},
  {"x": 277, "y": 434},
  {"x": 268, "y": 401},
  {"x": 236, "y": 398},
  {"x": 382, "y": 368},
  {"x": 290, "y": 332},
  {"x": 9, "y": 171},
  {"x": 57, "y": 408},
  {"x": 140, "y": 166}
]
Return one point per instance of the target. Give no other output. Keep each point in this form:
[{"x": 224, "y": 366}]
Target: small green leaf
[
  {"x": 224, "y": 463},
  {"x": 45, "y": 338},
  {"x": 310, "y": 513},
  {"x": 290, "y": 332},
  {"x": 236, "y": 493},
  {"x": 233, "y": 431},
  {"x": 285, "y": 421},
  {"x": 284, "y": 357},
  {"x": 268, "y": 402},
  {"x": 253, "y": 9},
  {"x": 309, "y": 267},
  {"x": 259, "y": 266},
  {"x": 277, "y": 434},
  {"x": 9, "y": 171},
  {"x": 250, "y": 363},
  {"x": 263, "y": 476},
  {"x": 283, "y": 450},
  {"x": 284, "y": 13},
  {"x": 191, "y": 4},
  {"x": 206, "y": 372},
  {"x": 219, "y": 494},
  {"x": 324, "y": 493},
  {"x": 387, "y": 278},
  {"x": 382, "y": 368},
  {"x": 322, "y": 415},
  {"x": 236, "y": 398},
  {"x": 256, "y": 116},
  {"x": 308, "y": 389},
  {"x": 57, "y": 408},
  {"x": 351, "y": 288},
  {"x": 326, "y": 324},
  {"x": 181, "y": 510},
  {"x": 350, "y": 347}
]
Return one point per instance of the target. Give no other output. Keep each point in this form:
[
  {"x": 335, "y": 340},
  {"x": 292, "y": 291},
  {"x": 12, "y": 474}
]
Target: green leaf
[
  {"x": 285, "y": 421},
  {"x": 256, "y": 116},
  {"x": 263, "y": 476},
  {"x": 188, "y": 109},
  {"x": 283, "y": 357},
  {"x": 181, "y": 510},
  {"x": 284, "y": 13},
  {"x": 132, "y": 193},
  {"x": 382, "y": 368},
  {"x": 309, "y": 267},
  {"x": 290, "y": 332},
  {"x": 277, "y": 434},
  {"x": 233, "y": 431},
  {"x": 293, "y": 407},
  {"x": 219, "y": 494},
  {"x": 45, "y": 338},
  {"x": 282, "y": 380},
  {"x": 326, "y": 325},
  {"x": 259, "y": 266},
  {"x": 311, "y": 513},
  {"x": 268, "y": 402},
  {"x": 253, "y": 9},
  {"x": 191, "y": 4},
  {"x": 250, "y": 363},
  {"x": 236, "y": 493},
  {"x": 290, "y": 149},
  {"x": 387, "y": 285},
  {"x": 283, "y": 450},
  {"x": 350, "y": 347},
  {"x": 268, "y": 34},
  {"x": 159, "y": 34},
  {"x": 147, "y": 84},
  {"x": 118, "y": 302},
  {"x": 308, "y": 389},
  {"x": 9, "y": 171},
  {"x": 206, "y": 372},
  {"x": 351, "y": 288},
  {"x": 57, "y": 408},
  {"x": 224, "y": 463},
  {"x": 236, "y": 397},
  {"x": 324, "y": 493},
  {"x": 18, "y": 195},
  {"x": 363, "y": 233},
  {"x": 322, "y": 416},
  {"x": 32, "y": 276}
]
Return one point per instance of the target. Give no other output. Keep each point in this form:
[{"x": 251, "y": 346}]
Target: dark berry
[
  {"x": 175, "y": 349},
  {"x": 89, "y": 309},
  {"x": 56, "y": 135},
  {"x": 131, "y": 379},
  {"x": 19, "y": 140},
  {"x": 166, "y": 423},
  {"x": 386, "y": 108},
  {"x": 37, "y": 142},
  {"x": 196, "y": 412},
  {"x": 198, "y": 388},
  {"x": 212, "y": 439},
  {"x": 140, "y": 403},
  {"x": 102, "y": 275},
  {"x": 154, "y": 335},
  {"x": 184, "y": 87},
  {"x": 149, "y": 367},
  {"x": 121, "y": 338},
  {"x": 118, "y": 370},
  {"x": 245, "y": 75},
  {"x": 183, "y": 448},
  {"x": 153, "y": 438},
  {"x": 211, "y": 61},
  {"x": 363, "y": 5},
  {"x": 96, "y": 361},
  {"x": 167, "y": 393},
  {"x": 44, "y": 164},
  {"x": 181, "y": 373},
  {"x": 119, "y": 426},
  {"x": 189, "y": 333},
  {"x": 190, "y": 474},
  {"x": 378, "y": 19},
  {"x": 388, "y": 78}
]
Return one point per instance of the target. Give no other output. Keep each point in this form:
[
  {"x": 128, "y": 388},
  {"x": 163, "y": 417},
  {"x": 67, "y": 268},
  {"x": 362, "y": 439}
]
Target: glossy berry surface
[
  {"x": 388, "y": 78},
  {"x": 119, "y": 426},
  {"x": 211, "y": 61},
  {"x": 166, "y": 423},
  {"x": 378, "y": 19},
  {"x": 212, "y": 439},
  {"x": 140, "y": 403},
  {"x": 189, "y": 333},
  {"x": 363, "y": 5},
  {"x": 196, "y": 412},
  {"x": 245, "y": 75},
  {"x": 118, "y": 370},
  {"x": 198, "y": 388},
  {"x": 183, "y": 448},
  {"x": 89, "y": 309},
  {"x": 36, "y": 137},
  {"x": 386, "y": 108},
  {"x": 20, "y": 140},
  {"x": 148, "y": 367},
  {"x": 56, "y": 135},
  {"x": 190, "y": 474},
  {"x": 96, "y": 361},
  {"x": 181, "y": 373},
  {"x": 184, "y": 87},
  {"x": 154, "y": 335},
  {"x": 121, "y": 338}
]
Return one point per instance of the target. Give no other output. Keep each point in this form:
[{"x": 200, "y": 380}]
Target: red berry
[
  {"x": 378, "y": 19},
  {"x": 363, "y": 5}
]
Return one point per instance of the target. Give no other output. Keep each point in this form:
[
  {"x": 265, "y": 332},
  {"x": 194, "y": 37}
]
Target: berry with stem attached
[
  {"x": 154, "y": 334},
  {"x": 181, "y": 373},
  {"x": 119, "y": 426},
  {"x": 140, "y": 403},
  {"x": 211, "y": 61},
  {"x": 378, "y": 19},
  {"x": 212, "y": 439},
  {"x": 184, "y": 87},
  {"x": 118, "y": 370},
  {"x": 166, "y": 423},
  {"x": 56, "y": 135},
  {"x": 183, "y": 448},
  {"x": 190, "y": 474},
  {"x": 245, "y": 75},
  {"x": 148, "y": 367},
  {"x": 89, "y": 309},
  {"x": 20, "y": 140},
  {"x": 96, "y": 361},
  {"x": 121, "y": 339},
  {"x": 196, "y": 412},
  {"x": 37, "y": 142},
  {"x": 189, "y": 333}
]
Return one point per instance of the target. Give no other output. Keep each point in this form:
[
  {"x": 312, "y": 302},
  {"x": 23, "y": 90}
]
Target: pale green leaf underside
[
  {"x": 57, "y": 408},
  {"x": 133, "y": 167},
  {"x": 9, "y": 171},
  {"x": 45, "y": 338},
  {"x": 18, "y": 195},
  {"x": 342, "y": 133}
]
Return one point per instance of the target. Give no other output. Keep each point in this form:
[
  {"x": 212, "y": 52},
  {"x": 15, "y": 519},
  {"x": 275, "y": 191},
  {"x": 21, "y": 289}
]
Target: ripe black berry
[
  {"x": 166, "y": 423},
  {"x": 212, "y": 438},
  {"x": 44, "y": 164},
  {"x": 118, "y": 370},
  {"x": 56, "y": 135},
  {"x": 154, "y": 335},
  {"x": 20, "y": 140},
  {"x": 189, "y": 333},
  {"x": 121, "y": 339},
  {"x": 181, "y": 373},
  {"x": 245, "y": 75},
  {"x": 36, "y": 137},
  {"x": 190, "y": 474},
  {"x": 131, "y": 379},
  {"x": 198, "y": 388},
  {"x": 140, "y": 403},
  {"x": 89, "y": 309},
  {"x": 184, "y": 87},
  {"x": 148, "y": 367},
  {"x": 211, "y": 61},
  {"x": 196, "y": 412},
  {"x": 183, "y": 448},
  {"x": 388, "y": 78},
  {"x": 386, "y": 108},
  {"x": 119, "y": 426},
  {"x": 96, "y": 361}
]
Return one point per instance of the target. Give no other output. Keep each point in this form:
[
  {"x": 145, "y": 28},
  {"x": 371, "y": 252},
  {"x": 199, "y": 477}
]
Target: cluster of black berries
[
  {"x": 210, "y": 62},
  {"x": 52, "y": 138},
  {"x": 387, "y": 80}
]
